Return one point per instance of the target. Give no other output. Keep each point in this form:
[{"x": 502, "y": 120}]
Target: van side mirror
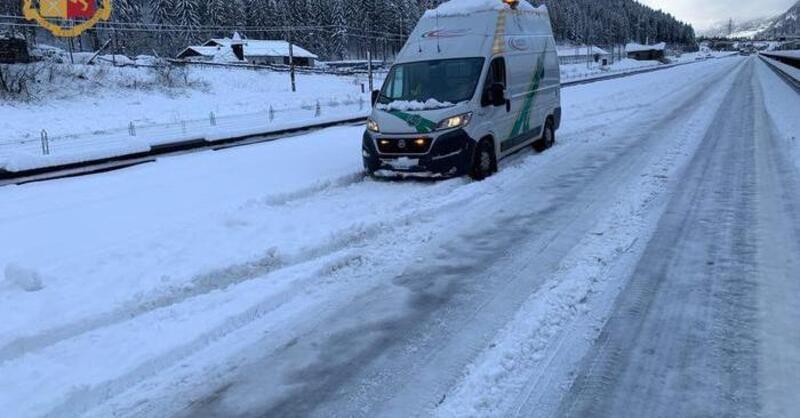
[
  {"x": 495, "y": 95},
  {"x": 375, "y": 95}
]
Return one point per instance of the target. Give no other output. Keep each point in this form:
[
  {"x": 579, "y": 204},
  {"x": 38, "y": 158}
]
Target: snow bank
[
  {"x": 17, "y": 277},
  {"x": 64, "y": 152},
  {"x": 406, "y": 105},
  {"x": 468, "y": 7}
]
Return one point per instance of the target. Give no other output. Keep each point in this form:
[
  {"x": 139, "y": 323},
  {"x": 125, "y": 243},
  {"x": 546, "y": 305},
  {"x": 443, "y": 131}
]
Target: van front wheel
[
  {"x": 548, "y": 138},
  {"x": 483, "y": 163}
]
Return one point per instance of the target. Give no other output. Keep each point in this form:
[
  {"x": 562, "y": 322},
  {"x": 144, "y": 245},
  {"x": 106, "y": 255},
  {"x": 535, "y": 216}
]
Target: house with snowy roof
[
  {"x": 253, "y": 51},
  {"x": 641, "y": 52},
  {"x": 568, "y": 54}
]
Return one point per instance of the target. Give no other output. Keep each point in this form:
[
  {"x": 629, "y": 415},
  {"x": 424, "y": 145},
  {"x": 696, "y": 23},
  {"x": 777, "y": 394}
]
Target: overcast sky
[{"x": 703, "y": 13}]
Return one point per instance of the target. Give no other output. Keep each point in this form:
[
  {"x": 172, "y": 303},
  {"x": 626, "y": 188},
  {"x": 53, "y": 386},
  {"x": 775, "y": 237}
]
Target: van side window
[
  {"x": 497, "y": 74},
  {"x": 396, "y": 88}
]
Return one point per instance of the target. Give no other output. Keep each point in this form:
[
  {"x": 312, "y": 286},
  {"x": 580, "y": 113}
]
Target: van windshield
[{"x": 447, "y": 81}]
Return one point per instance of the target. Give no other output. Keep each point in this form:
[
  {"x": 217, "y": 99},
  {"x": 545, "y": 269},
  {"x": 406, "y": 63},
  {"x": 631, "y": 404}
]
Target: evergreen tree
[
  {"x": 349, "y": 28},
  {"x": 187, "y": 15},
  {"x": 128, "y": 11}
]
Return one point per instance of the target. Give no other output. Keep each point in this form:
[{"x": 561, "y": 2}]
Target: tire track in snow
[
  {"x": 330, "y": 259},
  {"x": 530, "y": 357},
  {"x": 681, "y": 340},
  {"x": 226, "y": 277}
]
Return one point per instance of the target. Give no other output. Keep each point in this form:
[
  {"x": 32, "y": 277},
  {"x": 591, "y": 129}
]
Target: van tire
[
  {"x": 484, "y": 162},
  {"x": 548, "y": 137}
]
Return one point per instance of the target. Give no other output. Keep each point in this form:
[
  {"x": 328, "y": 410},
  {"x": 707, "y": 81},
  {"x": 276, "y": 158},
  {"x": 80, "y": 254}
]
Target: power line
[{"x": 168, "y": 27}]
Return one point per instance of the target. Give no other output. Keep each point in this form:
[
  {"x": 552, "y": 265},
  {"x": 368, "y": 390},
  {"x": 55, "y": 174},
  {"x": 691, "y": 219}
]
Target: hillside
[
  {"x": 739, "y": 29},
  {"x": 785, "y": 24},
  {"x": 608, "y": 22}
]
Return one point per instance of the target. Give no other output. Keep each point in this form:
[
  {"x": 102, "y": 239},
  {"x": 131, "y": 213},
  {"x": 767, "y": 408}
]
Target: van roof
[
  {"x": 474, "y": 28},
  {"x": 468, "y": 7}
]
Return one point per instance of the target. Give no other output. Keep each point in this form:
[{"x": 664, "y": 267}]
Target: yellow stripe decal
[{"x": 500, "y": 33}]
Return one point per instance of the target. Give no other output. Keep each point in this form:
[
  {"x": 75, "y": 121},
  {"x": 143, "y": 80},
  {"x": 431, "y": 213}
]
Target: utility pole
[
  {"x": 369, "y": 70},
  {"x": 730, "y": 27},
  {"x": 291, "y": 62},
  {"x": 291, "y": 50},
  {"x": 71, "y": 49}
]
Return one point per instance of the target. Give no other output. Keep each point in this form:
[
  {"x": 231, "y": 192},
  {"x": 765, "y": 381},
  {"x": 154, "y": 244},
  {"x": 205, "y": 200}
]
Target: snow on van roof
[{"x": 467, "y": 7}]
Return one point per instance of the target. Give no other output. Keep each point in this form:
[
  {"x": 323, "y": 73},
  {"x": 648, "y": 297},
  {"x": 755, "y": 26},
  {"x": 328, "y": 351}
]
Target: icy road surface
[{"x": 646, "y": 266}]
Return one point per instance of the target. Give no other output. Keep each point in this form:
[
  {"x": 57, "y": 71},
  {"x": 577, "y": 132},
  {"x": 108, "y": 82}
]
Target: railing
[
  {"x": 46, "y": 149},
  {"x": 787, "y": 57},
  {"x": 786, "y": 64}
]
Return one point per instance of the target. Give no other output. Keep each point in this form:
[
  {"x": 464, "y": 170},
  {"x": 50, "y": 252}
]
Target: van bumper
[{"x": 449, "y": 156}]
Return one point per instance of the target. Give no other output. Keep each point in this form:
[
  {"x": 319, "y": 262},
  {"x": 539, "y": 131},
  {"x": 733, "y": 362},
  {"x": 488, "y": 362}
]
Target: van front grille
[{"x": 419, "y": 145}]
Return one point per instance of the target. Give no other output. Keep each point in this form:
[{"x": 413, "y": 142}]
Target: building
[
  {"x": 254, "y": 52},
  {"x": 723, "y": 45},
  {"x": 640, "y": 52},
  {"x": 581, "y": 54},
  {"x": 13, "y": 49}
]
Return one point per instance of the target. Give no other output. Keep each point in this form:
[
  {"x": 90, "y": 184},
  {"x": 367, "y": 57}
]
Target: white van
[
  {"x": 476, "y": 81},
  {"x": 703, "y": 54}
]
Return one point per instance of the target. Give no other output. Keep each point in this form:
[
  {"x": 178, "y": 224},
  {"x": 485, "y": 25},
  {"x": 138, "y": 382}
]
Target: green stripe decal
[
  {"x": 523, "y": 123},
  {"x": 419, "y": 123}
]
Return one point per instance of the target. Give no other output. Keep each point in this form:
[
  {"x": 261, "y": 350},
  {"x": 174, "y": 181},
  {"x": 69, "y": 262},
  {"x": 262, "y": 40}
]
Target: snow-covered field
[
  {"x": 274, "y": 280},
  {"x": 111, "y": 100}
]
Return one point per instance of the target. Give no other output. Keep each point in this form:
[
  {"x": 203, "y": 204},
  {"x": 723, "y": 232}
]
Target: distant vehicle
[
  {"x": 474, "y": 83},
  {"x": 704, "y": 53},
  {"x": 744, "y": 53}
]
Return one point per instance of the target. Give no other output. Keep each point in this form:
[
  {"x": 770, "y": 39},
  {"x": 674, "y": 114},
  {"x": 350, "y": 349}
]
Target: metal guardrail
[
  {"x": 51, "y": 148},
  {"x": 787, "y": 57},
  {"x": 135, "y": 158},
  {"x": 786, "y": 66}
]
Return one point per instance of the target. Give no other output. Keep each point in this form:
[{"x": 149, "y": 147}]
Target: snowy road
[
  {"x": 646, "y": 266},
  {"x": 704, "y": 327}
]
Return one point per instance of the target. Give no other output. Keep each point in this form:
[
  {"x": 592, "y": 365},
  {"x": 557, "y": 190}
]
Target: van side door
[{"x": 498, "y": 115}]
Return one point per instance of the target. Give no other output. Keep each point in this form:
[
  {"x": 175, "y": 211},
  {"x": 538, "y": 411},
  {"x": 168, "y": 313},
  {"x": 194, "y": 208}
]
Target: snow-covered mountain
[
  {"x": 785, "y": 24},
  {"x": 739, "y": 29}
]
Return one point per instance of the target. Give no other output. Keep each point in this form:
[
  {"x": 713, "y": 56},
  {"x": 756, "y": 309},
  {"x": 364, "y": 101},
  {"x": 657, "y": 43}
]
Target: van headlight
[
  {"x": 372, "y": 126},
  {"x": 458, "y": 121}
]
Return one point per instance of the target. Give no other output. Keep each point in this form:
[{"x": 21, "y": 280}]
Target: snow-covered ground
[{"x": 274, "y": 280}]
